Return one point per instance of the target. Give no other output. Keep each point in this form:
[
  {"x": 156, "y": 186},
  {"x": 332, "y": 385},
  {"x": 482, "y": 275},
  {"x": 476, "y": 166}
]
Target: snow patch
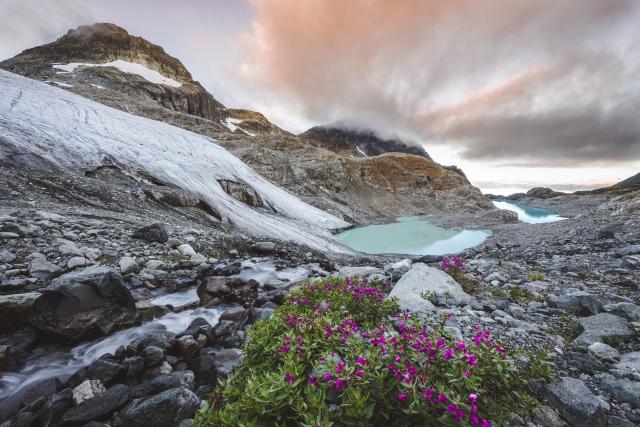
[
  {"x": 360, "y": 151},
  {"x": 77, "y": 134},
  {"x": 97, "y": 86},
  {"x": 126, "y": 67},
  {"x": 232, "y": 125}
]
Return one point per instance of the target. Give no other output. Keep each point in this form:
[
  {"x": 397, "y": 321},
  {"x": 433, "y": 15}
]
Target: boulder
[
  {"x": 77, "y": 261},
  {"x": 152, "y": 233},
  {"x": 98, "y": 406},
  {"x": 576, "y": 403},
  {"x": 186, "y": 250},
  {"x": 164, "y": 382},
  {"x": 84, "y": 304},
  {"x": 627, "y": 310},
  {"x": 15, "y": 309},
  {"x": 629, "y": 361},
  {"x": 622, "y": 389},
  {"x": 603, "y": 351},
  {"x": 6, "y": 257},
  {"x": 606, "y": 325},
  {"x": 128, "y": 265},
  {"x": 42, "y": 269},
  {"x": 264, "y": 247},
  {"x": 87, "y": 390},
  {"x": 421, "y": 280},
  {"x": 168, "y": 408},
  {"x": 580, "y": 301}
]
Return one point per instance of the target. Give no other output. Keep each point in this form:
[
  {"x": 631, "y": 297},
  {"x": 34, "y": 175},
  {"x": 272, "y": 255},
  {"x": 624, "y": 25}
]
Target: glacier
[{"x": 42, "y": 124}]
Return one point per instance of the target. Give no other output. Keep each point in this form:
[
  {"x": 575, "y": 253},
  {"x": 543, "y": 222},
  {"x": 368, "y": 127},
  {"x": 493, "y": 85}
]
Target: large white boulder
[{"x": 422, "y": 279}]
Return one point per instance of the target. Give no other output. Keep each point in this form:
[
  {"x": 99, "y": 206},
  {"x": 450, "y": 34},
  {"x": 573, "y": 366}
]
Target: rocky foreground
[{"x": 80, "y": 292}]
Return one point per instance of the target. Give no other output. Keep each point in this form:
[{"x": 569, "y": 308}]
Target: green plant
[
  {"x": 429, "y": 296},
  {"x": 454, "y": 267},
  {"x": 173, "y": 257},
  {"x": 339, "y": 353},
  {"x": 566, "y": 326},
  {"x": 536, "y": 276},
  {"x": 522, "y": 295}
]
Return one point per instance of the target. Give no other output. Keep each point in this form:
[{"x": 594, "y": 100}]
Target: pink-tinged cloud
[{"x": 530, "y": 81}]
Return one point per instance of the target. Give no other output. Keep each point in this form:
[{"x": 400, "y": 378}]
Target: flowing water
[
  {"x": 529, "y": 214},
  {"x": 411, "y": 236},
  {"x": 65, "y": 362}
]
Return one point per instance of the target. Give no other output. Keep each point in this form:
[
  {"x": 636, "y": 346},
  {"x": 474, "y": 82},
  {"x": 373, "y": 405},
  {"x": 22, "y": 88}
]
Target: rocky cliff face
[{"x": 354, "y": 175}]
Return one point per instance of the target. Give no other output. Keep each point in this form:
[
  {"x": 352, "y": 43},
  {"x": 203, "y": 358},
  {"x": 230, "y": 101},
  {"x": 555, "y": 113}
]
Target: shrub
[
  {"x": 454, "y": 267},
  {"x": 536, "y": 276},
  {"x": 339, "y": 353}
]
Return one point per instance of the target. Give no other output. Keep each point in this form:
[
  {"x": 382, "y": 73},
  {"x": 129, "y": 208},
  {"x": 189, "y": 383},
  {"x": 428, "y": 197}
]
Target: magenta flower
[
  {"x": 313, "y": 380},
  {"x": 327, "y": 377},
  {"x": 362, "y": 361},
  {"x": 359, "y": 373},
  {"x": 402, "y": 396},
  {"x": 289, "y": 378},
  {"x": 339, "y": 384}
]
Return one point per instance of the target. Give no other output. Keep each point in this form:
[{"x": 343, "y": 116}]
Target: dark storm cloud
[{"x": 530, "y": 82}]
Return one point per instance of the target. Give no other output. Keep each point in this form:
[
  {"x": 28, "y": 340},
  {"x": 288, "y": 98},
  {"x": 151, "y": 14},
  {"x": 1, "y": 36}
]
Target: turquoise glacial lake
[
  {"x": 529, "y": 214},
  {"x": 411, "y": 236}
]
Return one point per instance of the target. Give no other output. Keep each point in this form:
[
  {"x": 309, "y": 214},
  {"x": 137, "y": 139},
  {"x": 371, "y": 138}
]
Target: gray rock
[
  {"x": 226, "y": 359},
  {"x": 67, "y": 247},
  {"x": 580, "y": 301},
  {"x": 627, "y": 250},
  {"x": 623, "y": 390},
  {"x": 6, "y": 257},
  {"x": 152, "y": 233},
  {"x": 98, "y": 406},
  {"x": 614, "y": 421},
  {"x": 155, "y": 264},
  {"x": 186, "y": 250},
  {"x": 264, "y": 247},
  {"x": 153, "y": 355},
  {"x": 164, "y": 382},
  {"x": 603, "y": 351},
  {"x": 15, "y": 309},
  {"x": 86, "y": 390},
  {"x": 358, "y": 271},
  {"x": 632, "y": 261},
  {"x": 629, "y": 361},
  {"x": 576, "y": 403},
  {"x": 77, "y": 261},
  {"x": 606, "y": 325},
  {"x": 263, "y": 313},
  {"x": 42, "y": 269},
  {"x": 627, "y": 310},
  {"x": 84, "y": 304},
  {"x": 422, "y": 279},
  {"x": 168, "y": 408},
  {"x": 128, "y": 265}
]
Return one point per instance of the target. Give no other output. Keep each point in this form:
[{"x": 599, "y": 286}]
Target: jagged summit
[
  {"x": 359, "y": 142},
  {"x": 78, "y": 59}
]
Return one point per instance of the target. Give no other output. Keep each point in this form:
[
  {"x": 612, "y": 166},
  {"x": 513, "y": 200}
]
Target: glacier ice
[{"x": 39, "y": 121}]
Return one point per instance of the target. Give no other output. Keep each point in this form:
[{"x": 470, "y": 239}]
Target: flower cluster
[
  {"x": 452, "y": 264},
  {"x": 343, "y": 344}
]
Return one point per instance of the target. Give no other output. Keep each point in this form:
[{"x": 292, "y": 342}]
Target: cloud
[{"x": 532, "y": 82}]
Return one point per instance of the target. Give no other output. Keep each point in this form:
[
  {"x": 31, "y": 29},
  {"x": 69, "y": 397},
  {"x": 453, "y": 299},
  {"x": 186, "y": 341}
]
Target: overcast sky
[{"x": 518, "y": 93}]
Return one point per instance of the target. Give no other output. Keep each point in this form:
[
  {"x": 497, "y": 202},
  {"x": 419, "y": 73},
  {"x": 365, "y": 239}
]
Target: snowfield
[
  {"x": 40, "y": 123},
  {"x": 126, "y": 67}
]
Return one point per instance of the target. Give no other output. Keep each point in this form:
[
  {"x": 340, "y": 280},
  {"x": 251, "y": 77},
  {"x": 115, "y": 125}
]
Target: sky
[{"x": 518, "y": 93}]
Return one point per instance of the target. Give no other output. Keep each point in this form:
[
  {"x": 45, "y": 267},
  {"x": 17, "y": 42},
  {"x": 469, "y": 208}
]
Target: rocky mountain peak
[
  {"x": 102, "y": 43},
  {"x": 359, "y": 142}
]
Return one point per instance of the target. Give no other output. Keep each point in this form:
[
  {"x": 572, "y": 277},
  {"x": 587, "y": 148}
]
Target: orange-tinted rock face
[{"x": 400, "y": 172}]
